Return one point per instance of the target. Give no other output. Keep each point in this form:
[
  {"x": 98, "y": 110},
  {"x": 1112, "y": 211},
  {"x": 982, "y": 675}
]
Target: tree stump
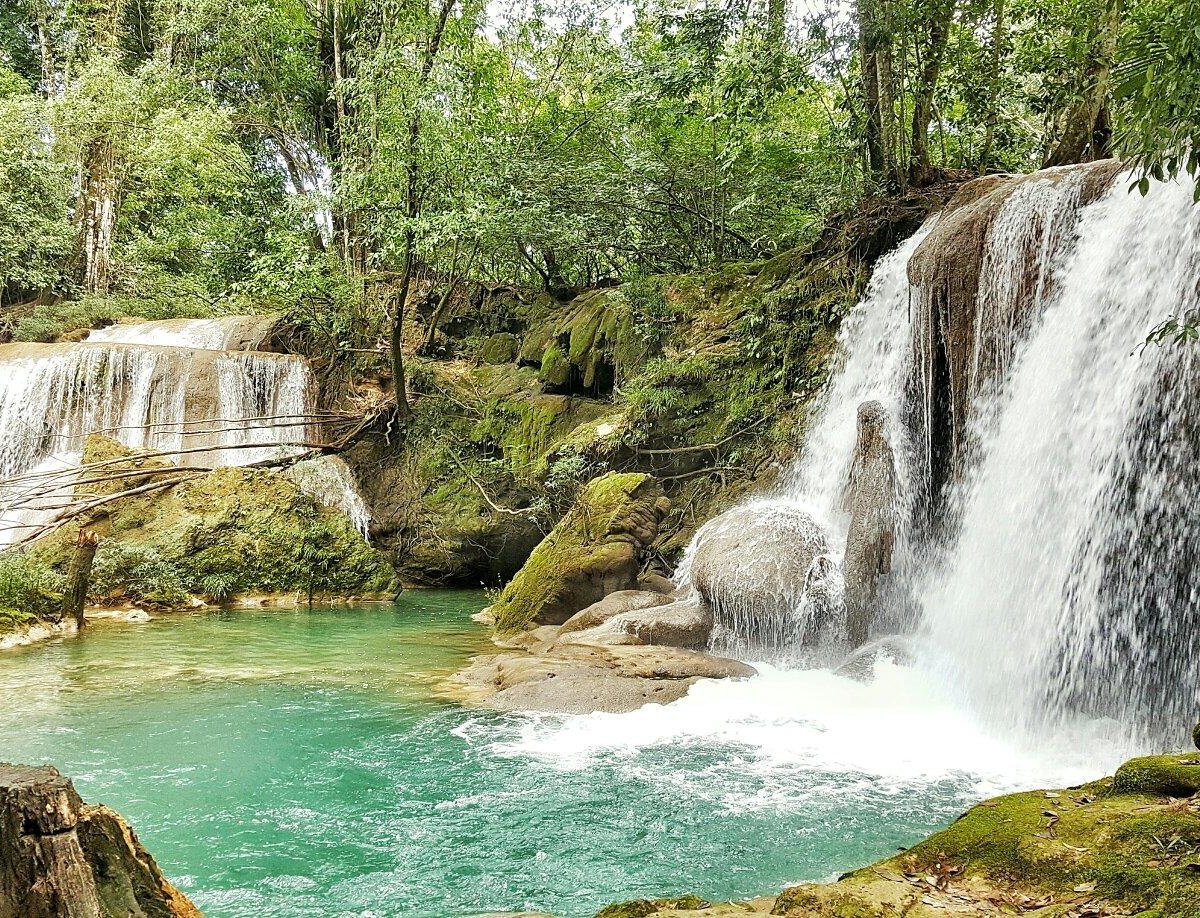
[
  {"x": 61, "y": 858},
  {"x": 75, "y": 594}
]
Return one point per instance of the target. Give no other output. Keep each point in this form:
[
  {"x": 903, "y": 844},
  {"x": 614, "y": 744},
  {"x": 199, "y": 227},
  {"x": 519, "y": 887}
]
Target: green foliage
[
  {"x": 29, "y": 590},
  {"x": 35, "y": 231},
  {"x": 139, "y": 572},
  {"x": 1158, "y": 82}
]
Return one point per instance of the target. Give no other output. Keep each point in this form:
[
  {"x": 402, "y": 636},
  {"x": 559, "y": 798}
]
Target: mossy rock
[
  {"x": 1166, "y": 775},
  {"x": 500, "y": 348},
  {"x": 1116, "y": 843},
  {"x": 596, "y": 549},
  {"x": 232, "y": 530}
]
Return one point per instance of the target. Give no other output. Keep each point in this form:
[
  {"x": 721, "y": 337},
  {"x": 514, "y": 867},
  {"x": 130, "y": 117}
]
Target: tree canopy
[{"x": 326, "y": 157}]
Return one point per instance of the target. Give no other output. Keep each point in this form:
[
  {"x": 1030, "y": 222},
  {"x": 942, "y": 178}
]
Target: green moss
[
  {"x": 499, "y": 348},
  {"x": 1166, "y": 775},
  {"x": 592, "y": 536},
  {"x": 556, "y": 367},
  {"x": 641, "y": 908},
  {"x": 243, "y": 530}
]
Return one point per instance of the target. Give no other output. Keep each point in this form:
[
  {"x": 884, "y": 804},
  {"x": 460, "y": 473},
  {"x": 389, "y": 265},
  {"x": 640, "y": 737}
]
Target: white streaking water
[
  {"x": 787, "y": 729},
  {"x": 173, "y": 387},
  {"x": 1071, "y": 584}
]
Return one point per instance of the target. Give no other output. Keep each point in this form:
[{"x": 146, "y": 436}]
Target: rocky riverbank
[
  {"x": 1121, "y": 846},
  {"x": 584, "y": 627}
]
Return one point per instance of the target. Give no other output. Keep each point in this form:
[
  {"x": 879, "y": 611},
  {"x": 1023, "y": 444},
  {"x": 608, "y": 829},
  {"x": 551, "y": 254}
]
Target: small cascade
[
  {"x": 181, "y": 388},
  {"x": 330, "y": 480},
  {"x": 770, "y": 569},
  {"x": 224, "y": 333}
]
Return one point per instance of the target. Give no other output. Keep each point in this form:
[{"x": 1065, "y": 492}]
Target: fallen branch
[
  {"x": 700, "y": 447},
  {"x": 530, "y": 514}
]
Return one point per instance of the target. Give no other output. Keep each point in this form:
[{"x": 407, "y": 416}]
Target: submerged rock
[
  {"x": 597, "y": 549},
  {"x": 860, "y": 665},
  {"x": 62, "y": 858},
  {"x": 870, "y": 499}
]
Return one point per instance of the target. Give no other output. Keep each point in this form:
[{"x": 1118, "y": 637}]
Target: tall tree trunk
[
  {"x": 46, "y": 52},
  {"x": 413, "y": 211},
  {"x": 78, "y": 576},
  {"x": 99, "y": 206},
  {"x": 776, "y": 23},
  {"x": 920, "y": 171},
  {"x": 875, "y": 53},
  {"x": 1086, "y": 133},
  {"x": 993, "y": 102}
]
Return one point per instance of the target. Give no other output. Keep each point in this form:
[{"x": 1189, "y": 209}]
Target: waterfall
[
  {"x": 764, "y": 604},
  {"x": 179, "y": 387},
  {"x": 1069, "y": 586},
  {"x": 1047, "y": 463}
]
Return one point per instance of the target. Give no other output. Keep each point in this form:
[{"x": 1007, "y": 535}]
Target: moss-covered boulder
[
  {"x": 597, "y": 549},
  {"x": 1123, "y": 846},
  {"x": 500, "y": 348},
  {"x": 216, "y": 534}
]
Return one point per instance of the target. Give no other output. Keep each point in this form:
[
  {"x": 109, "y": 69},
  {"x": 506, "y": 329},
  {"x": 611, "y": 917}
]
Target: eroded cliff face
[
  {"x": 982, "y": 275},
  {"x": 63, "y": 858}
]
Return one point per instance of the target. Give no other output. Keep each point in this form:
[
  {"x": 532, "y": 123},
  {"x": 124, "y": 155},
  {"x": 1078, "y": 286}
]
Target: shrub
[{"x": 28, "y": 590}]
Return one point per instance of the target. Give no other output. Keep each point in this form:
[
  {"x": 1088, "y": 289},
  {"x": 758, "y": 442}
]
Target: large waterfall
[
  {"x": 188, "y": 390},
  {"x": 1047, "y": 462}
]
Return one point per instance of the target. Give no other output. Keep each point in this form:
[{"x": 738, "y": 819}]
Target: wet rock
[
  {"x": 61, "y": 858},
  {"x": 870, "y": 499},
  {"x": 685, "y": 622},
  {"x": 612, "y": 605},
  {"x": 581, "y": 679},
  {"x": 860, "y": 665},
  {"x": 657, "y": 583},
  {"x": 1196, "y": 735},
  {"x": 763, "y": 569},
  {"x": 596, "y": 549}
]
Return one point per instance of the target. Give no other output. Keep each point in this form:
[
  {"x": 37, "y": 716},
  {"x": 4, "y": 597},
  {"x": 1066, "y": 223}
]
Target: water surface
[{"x": 287, "y": 764}]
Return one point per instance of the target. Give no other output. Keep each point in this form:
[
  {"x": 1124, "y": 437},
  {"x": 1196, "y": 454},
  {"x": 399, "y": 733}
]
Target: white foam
[{"x": 788, "y": 739}]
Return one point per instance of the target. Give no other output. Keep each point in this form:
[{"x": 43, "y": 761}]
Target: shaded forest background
[{"x": 332, "y": 160}]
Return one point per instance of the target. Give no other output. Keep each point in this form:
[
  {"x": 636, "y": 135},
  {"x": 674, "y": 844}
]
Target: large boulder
[
  {"x": 216, "y": 534},
  {"x": 764, "y": 570},
  {"x": 61, "y": 858},
  {"x": 870, "y": 499},
  {"x": 596, "y": 549}
]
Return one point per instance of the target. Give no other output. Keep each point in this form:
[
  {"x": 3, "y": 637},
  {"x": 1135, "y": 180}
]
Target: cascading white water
[
  {"x": 1060, "y": 582},
  {"x": 874, "y": 353},
  {"x": 1070, "y": 587},
  {"x": 330, "y": 480},
  {"x": 174, "y": 387},
  {"x": 874, "y": 359},
  {"x": 224, "y": 333}
]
